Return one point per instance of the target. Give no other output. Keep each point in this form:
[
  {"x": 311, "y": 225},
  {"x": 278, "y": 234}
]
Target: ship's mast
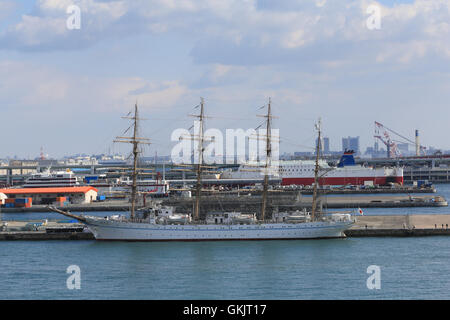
[
  {"x": 135, "y": 141},
  {"x": 200, "y": 138},
  {"x": 316, "y": 170},
  {"x": 268, "y": 158},
  {"x": 135, "y": 158}
]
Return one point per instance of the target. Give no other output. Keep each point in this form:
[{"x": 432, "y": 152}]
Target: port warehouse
[{"x": 76, "y": 195}]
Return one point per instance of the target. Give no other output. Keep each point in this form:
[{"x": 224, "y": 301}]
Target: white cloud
[
  {"x": 6, "y": 8},
  {"x": 242, "y": 26},
  {"x": 28, "y": 86},
  {"x": 46, "y": 29},
  {"x": 45, "y": 90},
  {"x": 312, "y": 57},
  {"x": 33, "y": 31}
]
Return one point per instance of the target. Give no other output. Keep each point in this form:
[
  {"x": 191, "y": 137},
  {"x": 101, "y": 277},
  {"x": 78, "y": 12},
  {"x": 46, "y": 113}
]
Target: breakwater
[{"x": 251, "y": 202}]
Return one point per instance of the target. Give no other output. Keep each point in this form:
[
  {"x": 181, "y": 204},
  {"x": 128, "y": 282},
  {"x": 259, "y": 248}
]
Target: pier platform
[
  {"x": 374, "y": 190},
  {"x": 42, "y": 235},
  {"x": 252, "y": 203},
  {"x": 88, "y": 207},
  {"x": 249, "y": 201},
  {"x": 400, "y": 225},
  {"x": 38, "y": 230}
]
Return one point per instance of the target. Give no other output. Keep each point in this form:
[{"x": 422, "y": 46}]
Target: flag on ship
[{"x": 360, "y": 211}]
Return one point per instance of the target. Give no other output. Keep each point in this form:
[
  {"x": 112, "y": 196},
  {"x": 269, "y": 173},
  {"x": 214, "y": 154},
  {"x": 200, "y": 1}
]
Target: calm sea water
[{"x": 411, "y": 268}]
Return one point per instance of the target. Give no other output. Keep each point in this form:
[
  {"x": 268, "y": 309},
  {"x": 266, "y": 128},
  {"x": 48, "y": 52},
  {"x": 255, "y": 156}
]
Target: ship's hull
[
  {"x": 338, "y": 181},
  {"x": 335, "y": 177},
  {"x": 127, "y": 231}
]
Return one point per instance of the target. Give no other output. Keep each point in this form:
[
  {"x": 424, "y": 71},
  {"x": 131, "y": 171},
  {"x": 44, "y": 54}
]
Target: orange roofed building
[{"x": 48, "y": 195}]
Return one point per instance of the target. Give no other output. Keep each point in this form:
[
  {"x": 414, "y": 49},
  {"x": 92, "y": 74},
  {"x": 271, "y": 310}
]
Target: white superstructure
[
  {"x": 52, "y": 179},
  {"x": 153, "y": 187}
]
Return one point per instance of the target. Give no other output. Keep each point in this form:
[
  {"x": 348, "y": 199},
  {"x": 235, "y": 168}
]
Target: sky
[{"x": 66, "y": 89}]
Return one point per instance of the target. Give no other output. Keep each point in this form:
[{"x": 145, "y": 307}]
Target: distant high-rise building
[
  {"x": 325, "y": 145},
  {"x": 403, "y": 147},
  {"x": 350, "y": 143}
]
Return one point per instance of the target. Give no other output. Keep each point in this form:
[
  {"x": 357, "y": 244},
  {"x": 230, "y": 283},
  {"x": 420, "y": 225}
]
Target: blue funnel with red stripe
[{"x": 347, "y": 159}]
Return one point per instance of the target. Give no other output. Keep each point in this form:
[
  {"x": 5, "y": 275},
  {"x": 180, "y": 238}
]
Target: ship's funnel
[{"x": 347, "y": 159}]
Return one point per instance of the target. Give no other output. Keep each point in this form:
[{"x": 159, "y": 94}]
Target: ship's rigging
[
  {"x": 316, "y": 170},
  {"x": 135, "y": 141}
]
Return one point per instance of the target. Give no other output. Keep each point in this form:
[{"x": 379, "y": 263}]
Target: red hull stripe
[{"x": 338, "y": 181}]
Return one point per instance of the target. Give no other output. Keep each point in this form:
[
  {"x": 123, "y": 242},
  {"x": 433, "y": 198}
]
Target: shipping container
[{"x": 421, "y": 183}]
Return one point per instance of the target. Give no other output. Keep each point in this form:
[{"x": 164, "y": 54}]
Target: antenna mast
[{"x": 135, "y": 140}]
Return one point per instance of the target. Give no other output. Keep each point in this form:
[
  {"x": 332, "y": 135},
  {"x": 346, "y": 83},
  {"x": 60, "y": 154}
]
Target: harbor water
[{"x": 410, "y": 268}]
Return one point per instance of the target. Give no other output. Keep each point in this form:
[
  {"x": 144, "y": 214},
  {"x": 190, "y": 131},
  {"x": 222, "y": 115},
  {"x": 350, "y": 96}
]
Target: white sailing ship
[{"x": 162, "y": 224}]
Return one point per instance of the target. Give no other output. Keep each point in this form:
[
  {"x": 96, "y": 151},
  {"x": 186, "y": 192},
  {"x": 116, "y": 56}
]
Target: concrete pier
[
  {"x": 42, "y": 235},
  {"x": 400, "y": 225},
  {"x": 38, "y": 230},
  {"x": 252, "y": 203},
  {"x": 408, "y": 221},
  {"x": 378, "y": 190},
  {"x": 95, "y": 206},
  {"x": 250, "y": 200}
]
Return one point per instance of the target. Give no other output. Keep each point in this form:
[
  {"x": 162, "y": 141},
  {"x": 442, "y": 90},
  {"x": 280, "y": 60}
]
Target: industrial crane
[
  {"x": 382, "y": 133},
  {"x": 391, "y": 146}
]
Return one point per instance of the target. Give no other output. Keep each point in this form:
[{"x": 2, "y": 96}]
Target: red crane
[
  {"x": 382, "y": 133},
  {"x": 392, "y": 149}
]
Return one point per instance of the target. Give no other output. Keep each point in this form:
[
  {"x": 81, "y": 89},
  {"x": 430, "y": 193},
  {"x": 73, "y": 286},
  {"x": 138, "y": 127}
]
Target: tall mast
[
  {"x": 200, "y": 138},
  {"x": 316, "y": 170},
  {"x": 268, "y": 158},
  {"x": 135, "y": 159},
  {"x": 135, "y": 140}
]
